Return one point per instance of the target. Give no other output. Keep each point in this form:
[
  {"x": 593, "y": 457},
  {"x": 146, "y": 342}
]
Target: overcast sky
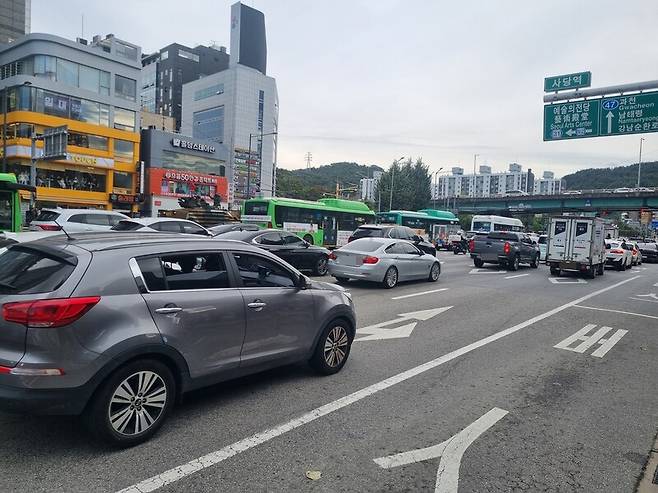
[{"x": 371, "y": 81}]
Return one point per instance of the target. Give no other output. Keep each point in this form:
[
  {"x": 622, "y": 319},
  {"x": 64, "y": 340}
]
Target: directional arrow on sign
[
  {"x": 570, "y": 132},
  {"x": 378, "y": 332},
  {"x": 609, "y": 117},
  {"x": 451, "y": 452}
]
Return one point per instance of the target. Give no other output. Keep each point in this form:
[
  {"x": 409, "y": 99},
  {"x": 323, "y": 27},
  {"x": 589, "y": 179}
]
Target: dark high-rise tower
[
  {"x": 14, "y": 19},
  {"x": 248, "y": 40}
]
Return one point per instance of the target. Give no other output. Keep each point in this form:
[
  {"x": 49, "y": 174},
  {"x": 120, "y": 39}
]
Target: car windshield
[
  {"x": 363, "y": 245},
  {"x": 368, "y": 233},
  {"x": 127, "y": 226}
]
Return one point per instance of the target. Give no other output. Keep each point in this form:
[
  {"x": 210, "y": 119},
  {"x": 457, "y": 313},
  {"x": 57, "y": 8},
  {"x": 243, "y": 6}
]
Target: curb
[{"x": 649, "y": 481}]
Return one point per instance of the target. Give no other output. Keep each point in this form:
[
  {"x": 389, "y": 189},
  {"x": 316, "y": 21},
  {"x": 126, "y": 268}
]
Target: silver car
[
  {"x": 118, "y": 326},
  {"x": 383, "y": 260}
]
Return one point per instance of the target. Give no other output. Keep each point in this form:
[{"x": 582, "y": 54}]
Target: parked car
[
  {"x": 649, "y": 251},
  {"x": 572, "y": 192},
  {"x": 508, "y": 249},
  {"x": 288, "y": 246},
  {"x": 117, "y": 327},
  {"x": 637, "y": 254},
  {"x": 394, "y": 232},
  {"x": 622, "y": 190},
  {"x": 382, "y": 260},
  {"x": 542, "y": 243},
  {"x": 161, "y": 224},
  {"x": 617, "y": 256},
  {"x": 75, "y": 220},
  {"x": 225, "y": 228}
]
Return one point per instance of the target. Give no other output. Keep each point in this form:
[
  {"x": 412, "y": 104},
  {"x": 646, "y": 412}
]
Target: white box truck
[{"x": 576, "y": 244}]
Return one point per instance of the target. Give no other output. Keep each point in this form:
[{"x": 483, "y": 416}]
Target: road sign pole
[{"x": 639, "y": 163}]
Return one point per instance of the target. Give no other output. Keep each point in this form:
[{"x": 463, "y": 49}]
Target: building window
[
  {"x": 45, "y": 66},
  {"x": 188, "y": 55},
  {"x": 124, "y": 150},
  {"x": 261, "y": 109},
  {"x": 208, "y": 92},
  {"x": 67, "y": 72},
  {"x": 209, "y": 124},
  {"x": 164, "y": 55},
  {"x": 89, "y": 78},
  {"x": 104, "y": 83},
  {"x": 88, "y": 141},
  {"x": 124, "y": 119},
  {"x": 126, "y": 51},
  {"x": 123, "y": 180},
  {"x": 125, "y": 88}
]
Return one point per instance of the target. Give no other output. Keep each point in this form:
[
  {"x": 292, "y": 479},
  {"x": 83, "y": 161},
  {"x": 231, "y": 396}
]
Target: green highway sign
[
  {"x": 617, "y": 115},
  {"x": 566, "y": 82},
  {"x": 572, "y": 120},
  {"x": 621, "y": 115}
]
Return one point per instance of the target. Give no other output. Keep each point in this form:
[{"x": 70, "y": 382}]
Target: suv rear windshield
[
  {"x": 503, "y": 236},
  {"x": 126, "y": 226},
  {"x": 47, "y": 216},
  {"x": 27, "y": 271},
  {"x": 368, "y": 232}
]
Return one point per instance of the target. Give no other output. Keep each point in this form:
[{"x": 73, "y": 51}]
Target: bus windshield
[
  {"x": 6, "y": 210},
  {"x": 256, "y": 208}
]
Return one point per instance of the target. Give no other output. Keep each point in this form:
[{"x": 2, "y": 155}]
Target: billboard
[{"x": 177, "y": 183}]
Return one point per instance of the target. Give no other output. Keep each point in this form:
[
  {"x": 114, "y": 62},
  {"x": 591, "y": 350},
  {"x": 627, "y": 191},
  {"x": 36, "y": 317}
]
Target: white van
[{"x": 489, "y": 224}]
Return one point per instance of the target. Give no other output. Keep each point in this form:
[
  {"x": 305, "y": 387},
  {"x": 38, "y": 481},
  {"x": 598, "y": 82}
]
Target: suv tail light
[
  {"x": 507, "y": 248},
  {"x": 48, "y": 313},
  {"x": 370, "y": 260},
  {"x": 471, "y": 246},
  {"x": 332, "y": 256},
  {"x": 50, "y": 227}
]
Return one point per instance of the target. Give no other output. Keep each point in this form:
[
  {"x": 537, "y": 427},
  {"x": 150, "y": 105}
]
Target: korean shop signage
[
  {"x": 195, "y": 146},
  {"x": 566, "y": 82}
]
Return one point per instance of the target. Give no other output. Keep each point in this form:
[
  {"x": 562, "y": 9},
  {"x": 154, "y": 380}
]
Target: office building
[
  {"x": 165, "y": 72},
  {"x": 177, "y": 166},
  {"x": 488, "y": 184},
  {"x": 156, "y": 120},
  {"x": 239, "y": 107},
  {"x": 92, "y": 89},
  {"x": 15, "y": 16},
  {"x": 368, "y": 186}
]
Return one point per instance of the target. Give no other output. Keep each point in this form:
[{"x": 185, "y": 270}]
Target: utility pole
[
  {"x": 308, "y": 158},
  {"x": 639, "y": 163}
]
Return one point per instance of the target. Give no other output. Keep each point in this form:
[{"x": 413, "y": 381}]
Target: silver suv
[{"x": 117, "y": 327}]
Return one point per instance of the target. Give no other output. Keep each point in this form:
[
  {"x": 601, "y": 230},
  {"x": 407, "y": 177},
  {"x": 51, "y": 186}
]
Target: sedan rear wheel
[
  {"x": 435, "y": 271},
  {"x": 390, "y": 278},
  {"x": 320, "y": 268}
]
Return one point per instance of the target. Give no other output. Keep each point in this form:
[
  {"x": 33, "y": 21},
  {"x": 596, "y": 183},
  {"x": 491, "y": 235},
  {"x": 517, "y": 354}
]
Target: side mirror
[{"x": 301, "y": 282}]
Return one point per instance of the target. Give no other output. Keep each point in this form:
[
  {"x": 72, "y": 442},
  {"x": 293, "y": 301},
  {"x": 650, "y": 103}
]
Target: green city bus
[
  {"x": 10, "y": 202},
  {"x": 434, "y": 225},
  {"x": 327, "y": 222}
]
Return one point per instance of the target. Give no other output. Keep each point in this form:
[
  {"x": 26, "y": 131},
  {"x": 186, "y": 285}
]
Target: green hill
[
  {"x": 621, "y": 176},
  {"x": 314, "y": 183}
]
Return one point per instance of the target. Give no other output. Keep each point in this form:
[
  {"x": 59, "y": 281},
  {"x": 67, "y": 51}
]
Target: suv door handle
[
  {"x": 257, "y": 305},
  {"x": 169, "y": 309}
]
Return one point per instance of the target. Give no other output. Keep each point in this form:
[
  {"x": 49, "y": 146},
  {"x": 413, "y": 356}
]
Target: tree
[{"x": 411, "y": 186}]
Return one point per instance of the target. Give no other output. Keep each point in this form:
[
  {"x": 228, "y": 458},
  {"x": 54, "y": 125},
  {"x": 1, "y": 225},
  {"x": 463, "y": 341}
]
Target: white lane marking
[
  {"x": 656, "y": 285},
  {"x": 376, "y": 332},
  {"x": 650, "y": 295},
  {"x": 615, "y": 311},
  {"x": 418, "y": 294},
  {"x": 640, "y": 299},
  {"x": 451, "y": 452},
  {"x": 486, "y": 271},
  {"x": 212, "y": 458},
  {"x": 567, "y": 280},
  {"x": 518, "y": 275},
  {"x": 587, "y": 341}
]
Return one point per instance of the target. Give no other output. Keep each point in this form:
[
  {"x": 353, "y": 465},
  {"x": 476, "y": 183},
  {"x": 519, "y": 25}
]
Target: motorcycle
[{"x": 460, "y": 246}]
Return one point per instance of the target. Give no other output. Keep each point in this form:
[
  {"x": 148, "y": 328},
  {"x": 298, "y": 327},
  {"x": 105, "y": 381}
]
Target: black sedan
[
  {"x": 288, "y": 246},
  {"x": 649, "y": 252}
]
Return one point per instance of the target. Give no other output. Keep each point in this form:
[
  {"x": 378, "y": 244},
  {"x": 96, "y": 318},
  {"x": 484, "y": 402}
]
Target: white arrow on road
[
  {"x": 610, "y": 116},
  {"x": 451, "y": 452},
  {"x": 377, "y": 332}
]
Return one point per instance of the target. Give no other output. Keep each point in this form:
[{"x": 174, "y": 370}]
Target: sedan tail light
[
  {"x": 617, "y": 251},
  {"x": 370, "y": 260},
  {"x": 50, "y": 227},
  {"x": 507, "y": 248},
  {"x": 332, "y": 256},
  {"x": 48, "y": 313}
]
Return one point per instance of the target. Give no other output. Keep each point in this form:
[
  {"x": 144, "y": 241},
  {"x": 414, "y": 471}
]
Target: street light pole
[
  {"x": 390, "y": 197},
  {"x": 5, "y": 101},
  {"x": 435, "y": 191},
  {"x": 639, "y": 163}
]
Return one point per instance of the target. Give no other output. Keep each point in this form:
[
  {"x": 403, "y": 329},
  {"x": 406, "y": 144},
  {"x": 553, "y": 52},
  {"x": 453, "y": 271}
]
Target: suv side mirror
[{"x": 301, "y": 282}]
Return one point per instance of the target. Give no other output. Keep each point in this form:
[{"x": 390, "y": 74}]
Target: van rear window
[{"x": 27, "y": 271}]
